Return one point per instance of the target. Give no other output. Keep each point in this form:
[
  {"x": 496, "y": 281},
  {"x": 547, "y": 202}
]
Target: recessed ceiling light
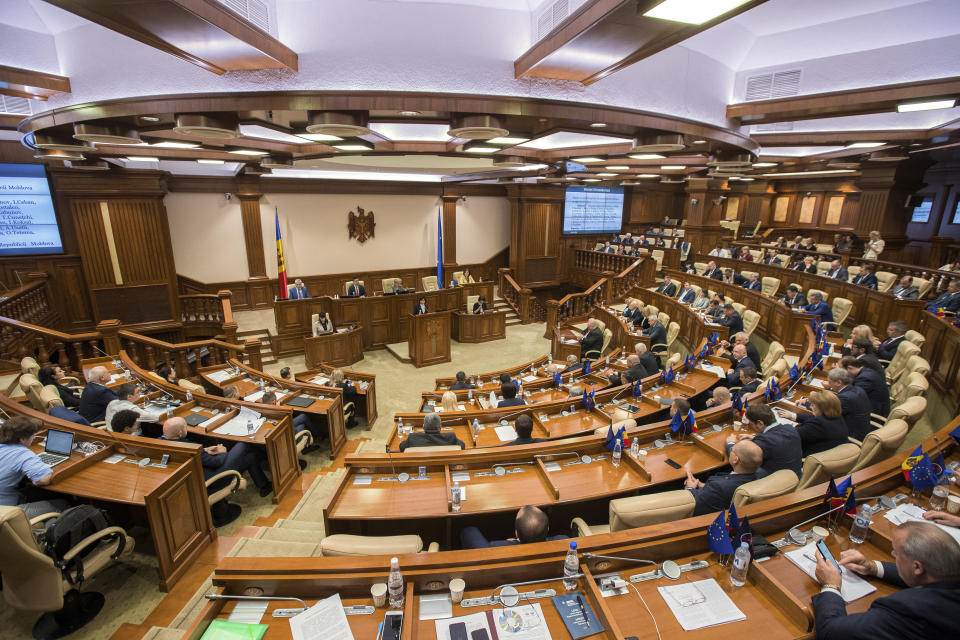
[
  {"x": 926, "y": 106},
  {"x": 141, "y": 159},
  {"x": 150, "y": 118},
  {"x": 507, "y": 140},
  {"x": 412, "y": 131},
  {"x": 586, "y": 160},
  {"x": 733, "y": 177},
  {"x": 248, "y": 152},
  {"x": 409, "y": 113},
  {"x": 352, "y": 147},
  {"x": 175, "y": 144},
  {"x": 699, "y": 142},
  {"x": 479, "y": 149},
  {"x": 209, "y": 161},
  {"x": 605, "y": 175},
  {"x": 747, "y": 179},
  {"x": 268, "y": 133},
  {"x": 762, "y": 165},
  {"x": 647, "y": 175},
  {"x": 617, "y": 167},
  {"x": 564, "y": 139},
  {"x": 865, "y": 145},
  {"x": 692, "y": 11},
  {"x": 598, "y": 125},
  {"x": 646, "y": 156},
  {"x": 591, "y": 180},
  {"x": 673, "y": 167}
]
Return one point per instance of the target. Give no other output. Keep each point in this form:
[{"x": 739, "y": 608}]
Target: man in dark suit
[
  {"x": 905, "y": 289},
  {"x": 572, "y": 365},
  {"x": 592, "y": 339},
  {"x": 531, "y": 525},
  {"x": 713, "y": 271},
  {"x": 647, "y": 359},
  {"x": 744, "y": 339},
  {"x": 819, "y": 308},
  {"x": 862, "y": 350},
  {"x": 356, "y": 290},
  {"x": 753, "y": 284},
  {"x": 96, "y": 396},
  {"x": 794, "y": 297},
  {"x": 667, "y": 287},
  {"x": 510, "y": 399},
  {"x": 655, "y": 331},
  {"x": 927, "y": 559},
  {"x": 873, "y": 384},
  {"x": 731, "y": 319},
  {"x": 866, "y": 277},
  {"x": 717, "y": 492},
  {"x": 734, "y": 278},
  {"x": 837, "y": 271},
  {"x": 896, "y": 331},
  {"x": 635, "y": 371},
  {"x": 524, "y": 428},
  {"x": 633, "y": 313},
  {"x": 748, "y": 381},
  {"x": 687, "y": 295},
  {"x": 740, "y": 360},
  {"x": 853, "y": 401},
  {"x": 949, "y": 300},
  {"x": 780, "y": 443},
  {"x": 607, "y": 248},
  {"x": 797, "y": 243},
  {"x": 714, "y": 310},
  {"x": 421, "y": 307},
  {"x": 431, "y": 436},
  {"x": 298, "y": 291},
  {"x": 461, "y": 384}
]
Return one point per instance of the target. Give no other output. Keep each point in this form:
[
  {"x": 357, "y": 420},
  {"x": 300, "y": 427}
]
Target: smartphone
[
  {"x": 673, "y": 463},
  {"x": 822, "y": 548},
  {"x": 479, "y": 634},
  {"x": 458, "y": 631},
  {"x": 164, "y": 459},
  {"x": 392, "y": 625}
]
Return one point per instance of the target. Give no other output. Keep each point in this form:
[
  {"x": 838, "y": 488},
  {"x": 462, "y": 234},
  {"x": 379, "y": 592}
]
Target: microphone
[
  {"x": 804, "y": 375},
  {"x": 500, "y": 469},
  {"x": 509, "y": 596},
  {"x": 403, "y": 476},
  {"x": 795, "y": 536},
  {"x": 585, "y": 459},
  {"x": 667, "y": 568}
]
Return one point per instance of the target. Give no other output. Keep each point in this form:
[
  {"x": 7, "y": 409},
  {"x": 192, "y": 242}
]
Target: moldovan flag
[{"x": 281, "y": 263}]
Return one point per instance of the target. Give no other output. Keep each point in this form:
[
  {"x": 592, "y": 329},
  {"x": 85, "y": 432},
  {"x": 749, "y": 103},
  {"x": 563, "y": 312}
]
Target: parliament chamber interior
[{"x": 479, "y": 319}]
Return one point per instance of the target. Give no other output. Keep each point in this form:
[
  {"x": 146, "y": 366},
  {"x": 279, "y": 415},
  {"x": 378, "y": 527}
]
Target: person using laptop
[{"x": 17, "y": 462}]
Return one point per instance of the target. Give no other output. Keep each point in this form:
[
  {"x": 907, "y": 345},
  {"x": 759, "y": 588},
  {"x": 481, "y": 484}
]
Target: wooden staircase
[
  {"x": 267, "y": 352},
  {"x": 499, "y": 304}
]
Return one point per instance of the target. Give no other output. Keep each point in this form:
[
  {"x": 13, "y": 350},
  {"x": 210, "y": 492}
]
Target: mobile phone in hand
[{"x": 825, "y": 552}]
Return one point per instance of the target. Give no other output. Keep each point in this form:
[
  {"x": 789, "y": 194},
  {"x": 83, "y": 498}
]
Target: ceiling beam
[
  {"x": 202, "y": 32},
  {"x": 849, "y": 102},
  {"x": 36, "y": 85},
  {"x": 605, "y": 36}
]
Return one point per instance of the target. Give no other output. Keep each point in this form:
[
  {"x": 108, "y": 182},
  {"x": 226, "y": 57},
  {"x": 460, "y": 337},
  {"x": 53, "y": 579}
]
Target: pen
[
  {"x": 583, "y": 610},
  {"x": 379, "y": 631}
]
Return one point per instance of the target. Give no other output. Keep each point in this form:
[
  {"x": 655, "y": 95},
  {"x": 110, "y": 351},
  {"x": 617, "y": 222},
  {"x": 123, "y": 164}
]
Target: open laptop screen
[{"x": 59, "y": 442}]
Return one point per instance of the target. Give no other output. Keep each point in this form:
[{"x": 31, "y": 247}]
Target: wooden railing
[
  {"x": 187, "y": 357},
  {"x": 30, "y": 302},
  {"x": 207, "y": 315},
  {"x": 21, "y": 339},
  {"x": 602, "y": 262},
  {"x": 638, "y": 273},
  {"x": 575, "y": 306},
  {"x": 520, "y": 299}
]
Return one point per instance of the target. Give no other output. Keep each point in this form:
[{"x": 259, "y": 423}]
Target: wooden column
[
  {"x": 249, "y": 194},
  {"x": 110, "y": 331},
  {"x": 449, "y": 234},
  {"x": 536, "y": 214}
]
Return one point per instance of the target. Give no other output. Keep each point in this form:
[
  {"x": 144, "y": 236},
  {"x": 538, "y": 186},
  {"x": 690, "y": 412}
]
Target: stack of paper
[
  {"x": 506, "y": 434},
  {"x": 237, "y": 426},
  {"x": 220, "y": 376},
  {"x": 323, "y": 621},
  {"x": 853, "y": 587},
  {"x": 710, "y": 605}
]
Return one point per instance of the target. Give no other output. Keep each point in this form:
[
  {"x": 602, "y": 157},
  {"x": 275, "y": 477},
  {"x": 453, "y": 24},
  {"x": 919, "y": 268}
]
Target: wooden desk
[
  {"x": 518, "y": 371},
  {"x": 479, "y": 327},
  {"x": 364, "y": 383},
  {"x": 339, "y": 349},
  {"x": 429, "y": 340}
]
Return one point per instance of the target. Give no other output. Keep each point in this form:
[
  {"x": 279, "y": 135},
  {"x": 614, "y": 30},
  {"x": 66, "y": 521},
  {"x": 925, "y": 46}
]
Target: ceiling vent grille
[
  {"x": 779, "y": 84},
  {"x": 552, "y": 14},
  {"x": 774, "y": 126},
  {"x": 17, "y": 106},
  {"x": 255, "y": 12}
]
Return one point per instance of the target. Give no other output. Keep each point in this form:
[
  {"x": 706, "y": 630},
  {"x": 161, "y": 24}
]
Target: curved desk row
[
  {"x": 443, "y": 384},
  {"x": 340, "y": 348},
  {"x": 365, "y": 384}
]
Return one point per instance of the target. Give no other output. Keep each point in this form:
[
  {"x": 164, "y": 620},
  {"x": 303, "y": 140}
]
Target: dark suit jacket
[
  {"x": 718, "y": 491},
  {"x": 634, "y": 315},
  {"x": 417, "y": 310},
  {"x": 798, "y": 300},
  {"x": 632, "y": 374},
  {"x": 838, "y": 274},
  {"x": 872, "y": 362},
  {"x": 856, "y": 411},
  {"x": 737, "y": 279},
  {"x": 67, "y": 396},
  {"x": 754, "y": 355},
  {"x": 734, "y": 322},
  {"x": 774, "y": 260},
  {"x": 753, "y": 285},
  {"x": 649, "y": 362},
  {"x": 949, "y": 302},
  {"x": 888, "y": 348},
  {"x": 511, "y": 402},
  {"x": 818, "y": 433},
  {"x": 874, "y": 385},
  {"x": 573, "y": 367},
  {"x": 920, "y": 613},
  {"x": 657, "y": 334},
  {"x": 356, "y": 291},
  {"x": 94, "y": 401},
  {"x": 716, "y": 274},
  {"x": 822, "y": 309},
  {"x": 782, "y": 449},
  {"x": 520, "y": 440},
  {"x": 456, "y": 386},
  {"x": 293, "y": 294},
  {"x": 908, "y": 293},
  {"x": 733, "y": 379},
  {"x": 748, "y": 388},
  {"x": 479, "y": 307},
  {"x": 591, "y": 341},
  {"x": 868, "y": 280},
  {"x": 668, "y": 289},
  {"x": 688, "y": 296},
  {"x": 430, "y": 440}
]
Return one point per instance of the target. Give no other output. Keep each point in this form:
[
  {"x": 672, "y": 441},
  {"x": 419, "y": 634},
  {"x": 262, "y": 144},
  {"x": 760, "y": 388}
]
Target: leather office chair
[
  {"x": 917, "y": 364},
  {"x": 619, "y": 419},
  {"x": 155, "y": 376},
  {"x": 657, "y": 255},
  {"x": 898, "y": 364},
  {"x": 776, "y": 484},
  {"x": 342, "y": 544},
  {"x": 673, "y": 361},
  {"x": 908, "y": 386},
  {"x": 923, "y": 285},
  {"x": 910, "y": 410},
  {"x": 346, "y": 285},
  {"x": 598, "y": 246},
  {"x": 33, "y": 582},
  {"x": 777, "y": 370},
  {"x": 700, "y": 267},
  {"x": 885, "y": 280},
  {"x": 915, "y": 337},
  {"x": 769, "y": 286},
  {"x": 456, "y": 276},
  {"x": 429, "y": 283},
  {"x": 302, "y": 440},
  {"x": 881, "y": 443},
  {"x": 784, "y": 259},
  {"x": 315, "y": 317},
  {"x": 741, "y": 308},
  {"x": 832, "y": 463},
  {"x": 853, "y": 271},
  {"x": 650, "y": 310},
  {"x": 471, "y": 300},
  {"x": 50, "y": 397},
  {"x": 774, "y": 353},
  {"x": 31, "y": 388},
  {"x": 226, "y": 482},
  {"x": 823, "y": 266},
  {"x": 192, "y": 387},
  {"x": 668, "y": 243},
  {"x": 841, "y": 311},
  {"x": 755, "y": 253},
  {"x": 664, "y": 318},
  {"x": 673, "y": 330},
  {"x": 750, "y": 274},
  {"x": 732, "y": 225},
  {"x": 823, "y": 247},
  {"x": 640, "y": 511},
  {"x": 29, "y": 365},
  {"x": 750, "y": 321},
  {"x": 386, "y": 284},
  {"x": 823, "y": 294}
]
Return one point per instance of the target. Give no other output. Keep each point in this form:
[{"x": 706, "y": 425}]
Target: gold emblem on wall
[{"x": 360, "y": 225}]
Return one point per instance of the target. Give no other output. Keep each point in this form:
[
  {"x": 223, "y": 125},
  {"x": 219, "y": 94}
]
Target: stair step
[
  {"x": 289, "y": 535},
  {"x": 256, "y": 548}
]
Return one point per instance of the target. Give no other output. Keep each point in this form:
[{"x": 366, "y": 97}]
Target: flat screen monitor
[
  {"x": 28, "y": 223},
  {"x": 592, "y": 210}
]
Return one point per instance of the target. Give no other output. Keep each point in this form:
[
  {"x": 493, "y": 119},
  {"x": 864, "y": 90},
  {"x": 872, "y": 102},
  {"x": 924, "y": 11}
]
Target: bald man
[
  {"x": 530, "y": 525},
  {"x": 96, "y": 396},
  {"x": 716, "y": 493},
  {"x": 217, "y": 459}
]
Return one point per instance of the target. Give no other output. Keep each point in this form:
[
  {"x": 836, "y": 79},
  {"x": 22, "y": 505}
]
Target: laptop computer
[{"x": 57, "y": 448}]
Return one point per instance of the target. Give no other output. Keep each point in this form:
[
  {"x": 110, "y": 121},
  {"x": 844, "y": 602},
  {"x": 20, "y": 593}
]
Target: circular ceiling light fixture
[
  {"x": 56, "y": 143},
  {"x": 509, "y": 162},
  {"x": 222, "y": 126},
  {"x": 658, "y": 143},
  {"x": 889, "y": 155},
  {"x": 53, "y": 154},
  {"x": 477, "y": 127},
  {"x": 730, "y": 160},
  {"x": 343, "y": 124},
  {"x": 105, "y": 133}
]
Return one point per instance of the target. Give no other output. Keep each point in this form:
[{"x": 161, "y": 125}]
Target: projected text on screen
[
  {"x": 592, "y": 210},
  {"x": 28, "y": 223}
]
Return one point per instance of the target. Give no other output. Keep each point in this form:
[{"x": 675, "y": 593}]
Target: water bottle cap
[
  {"x": 394, "y": 562},
  {"x": 744, "y": 545},
  {"x": 573, "y": 544}
]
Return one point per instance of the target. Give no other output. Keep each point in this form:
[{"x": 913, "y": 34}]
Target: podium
[
  {"x": 337, "y": 349},
  {"x": 429, "y": 338}
]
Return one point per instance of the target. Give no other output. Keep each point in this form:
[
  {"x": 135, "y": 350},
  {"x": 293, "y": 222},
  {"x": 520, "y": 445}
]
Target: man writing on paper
[{"x": 926, "y": 559}]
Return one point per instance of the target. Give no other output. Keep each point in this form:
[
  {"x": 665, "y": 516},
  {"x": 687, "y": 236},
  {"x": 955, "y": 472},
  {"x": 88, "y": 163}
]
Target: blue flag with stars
[
  {"x": 794, "y": 372},
  {"x": 717, "y": 536},
  {"x": 736, "y": 409},
  {"x": 638, "y": 388},
  {"x": 586, "y": 368},
  {"x": 557, "y": 379},
  {"x": 922, "y": 475},
  {"x": 669, "y": 375},
  {"x": 612, "y": 437},
  {"x": 733, "y": 522}
]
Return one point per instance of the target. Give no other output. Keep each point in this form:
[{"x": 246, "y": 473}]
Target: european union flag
[
  {"x": 733, "y": 522},
  {"x": 772, "y": 393},
  {"x": 612, "y": 437},
  {"x": 794, "y": 372},
  {"x": 669, "y": 375},
  {"x": 638, "y": 388},
  {"x": 586, "y": 368},
  {"x": 588, "y": 402},
  {"x": 717, "y": 536},
  {"x": 922, "y": 475},
  {"x": 557, "y": 379},
  {"x": 736, "y": 409},
  {"x": 676, "y": 422}
]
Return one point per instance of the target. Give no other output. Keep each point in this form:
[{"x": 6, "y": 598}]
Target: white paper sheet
[
  {"x": 237, "y": 426},
  {"x": 323, "y": 621},
  {"x": 529, "y": 378},
  {"x": 321, "y": 380},
  {"x": 718, "y": 608},
  {"x": 714, "y": 369},
  {"x": 506, "y": 434},
  {"x": 220, "y": 376},
  {"x": 255, "y": 396},
  {"x": 853, "y": 587}
]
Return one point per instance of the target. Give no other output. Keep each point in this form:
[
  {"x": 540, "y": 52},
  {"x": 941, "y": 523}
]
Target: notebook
[
  {"x": 300, "y": 401},
  {"x": 195, "y": 419}
]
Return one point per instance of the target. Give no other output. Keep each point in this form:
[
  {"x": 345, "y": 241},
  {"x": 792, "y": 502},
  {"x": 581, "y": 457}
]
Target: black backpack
[{"x": 67, "y": 530}]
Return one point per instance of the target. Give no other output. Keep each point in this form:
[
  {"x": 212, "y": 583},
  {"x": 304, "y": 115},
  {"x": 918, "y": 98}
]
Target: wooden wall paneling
[
  {"x": 536, "y": 219},
  {"x": 253, "y": 235},
  {"x": 781, "y": 210},
  {"x": 88, "y": 218}
]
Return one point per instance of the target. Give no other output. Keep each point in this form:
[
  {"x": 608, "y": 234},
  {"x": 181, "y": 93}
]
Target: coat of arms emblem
[{"x": 360, "y": 225}]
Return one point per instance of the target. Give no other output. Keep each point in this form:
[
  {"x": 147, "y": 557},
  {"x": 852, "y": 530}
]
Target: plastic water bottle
[
  {"x": 635, "y": 448},
  {"x": 470, "y": 395},
  {"x": 938, "y": 500},
  {"x": 741, "y": 562},
  {"x": 571, "y": 567},
  {"x": 455, "y": 496},
  {"x": 400, "y": 426},
  {"x": 189, "y": 396},
  {"x": 476, "y": 428},
  {"x": 395, "y": 594},
  {"x": 861, "y": 524},
  {"x": 250, "y": 428},
  {"x": 617, "y": 452},
  {"x": 492, "y": 399}
]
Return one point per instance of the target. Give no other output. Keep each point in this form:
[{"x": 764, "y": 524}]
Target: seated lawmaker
[
  {"x": 531, "y": 525},
  {"x": 687, "y": 294},
  {"x": 18, "y": 464},
  {"x": 125, "y": 421},
  {"x": 510, "y": 399},
  {"x": 128, "y": 395},
  {"x": 717, "y": 492},
  {"x": 732, "y": 277},
  {"x": 431, "y": 436},
  {"x": 655, "y": 331},
  {"x": 794, "y": 297},
  {"x": 96, "y": 396},
  {"x": 862, "y": 349},
  {"x": 461, "y": 383},
  {"x": 819, "y": 308},
  {"x": 720, "y": 396},
  {"x": 465, "y": 277},
  {"x": 748, "y": 381},
  {"x": 168, "y": 372},
  {"x": 421, "y": 307},
  {"x": 823, "y": 429},
  {"x": 949, "y": 300},
  {"x": 853, "y": 401},
  {"x": 740, "y": 361},
  {"x": 741, "y": 338},
  {"x": 524, "y": 428},
  {"x": 780, "y": 443},
  {"x": 896, "y": 334},
  {"x": 837, "y": 271},
  {"x": 927, "y": 568},
  {"x": 753, "y": 284},
  {"x": 905, "y": 289},
  {"x": 301, "y": 421},
  {"x": 713, "y": 271},
  {"x": 592, "y": 339},
  {"x": 667, "y": 287},
  {"x": 297, "y": 291},
  {"x": 356, "y": 290},
  {"x": 873, "y": 383},
  {"x": 635, "y": 371},
  {"x": 322, "y": 326},
  {"x": 731, "y": 319},
  {"x": 480, "y": 306},
  {"x": 714, "y": 310},
  {"x": 866, "y": 277},
  {"x": 633, "y": 313},
  {"x": 52, "y": 374},
  {"x": 572, "y": 364},
  {"x": 649, "y": 361},
  {"x": 398, "y": 286}
]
